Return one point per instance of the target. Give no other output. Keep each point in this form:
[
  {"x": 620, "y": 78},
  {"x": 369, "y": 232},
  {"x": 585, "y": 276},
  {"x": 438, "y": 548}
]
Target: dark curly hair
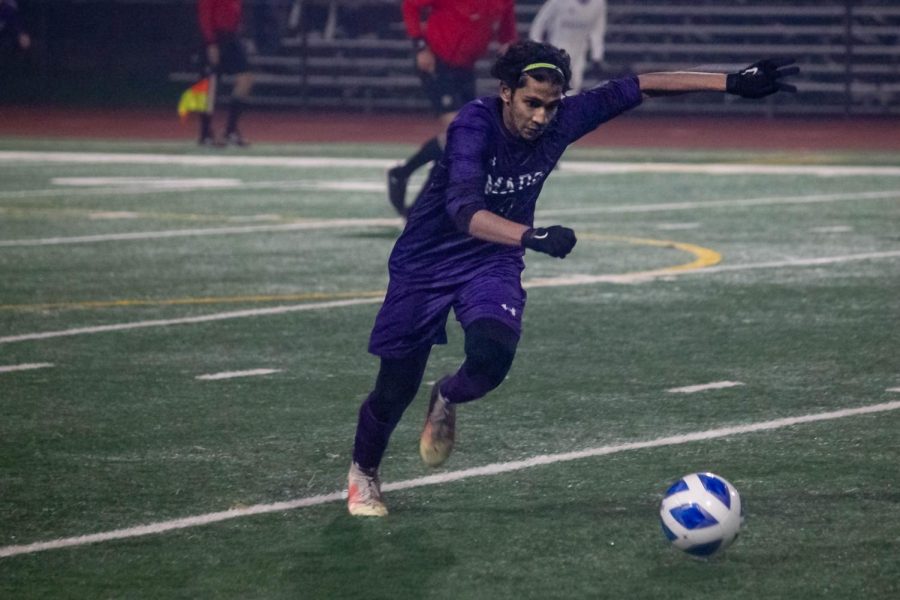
[{"x": 508, "y": 68}]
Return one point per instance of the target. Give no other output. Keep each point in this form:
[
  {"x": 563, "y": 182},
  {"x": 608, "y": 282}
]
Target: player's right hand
[
  {"x": 212, "y": 54},
  {"x": 426, "y": 61},
  {"x": 555, "y": 240}
]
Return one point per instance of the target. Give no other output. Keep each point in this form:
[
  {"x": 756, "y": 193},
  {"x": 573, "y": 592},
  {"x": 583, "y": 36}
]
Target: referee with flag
[{"x": 220, "y": 22}]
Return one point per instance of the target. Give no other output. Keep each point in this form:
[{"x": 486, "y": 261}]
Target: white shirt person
[{"x": 576, "y": 26}]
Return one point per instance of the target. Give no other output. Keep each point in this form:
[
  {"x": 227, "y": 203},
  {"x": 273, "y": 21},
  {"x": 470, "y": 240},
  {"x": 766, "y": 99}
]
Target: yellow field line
[{"x": 704, "y": 257}]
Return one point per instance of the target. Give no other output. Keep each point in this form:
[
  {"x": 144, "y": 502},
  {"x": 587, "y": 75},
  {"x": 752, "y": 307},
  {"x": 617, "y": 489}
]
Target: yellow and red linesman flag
[{"x": 198, "y": 98}]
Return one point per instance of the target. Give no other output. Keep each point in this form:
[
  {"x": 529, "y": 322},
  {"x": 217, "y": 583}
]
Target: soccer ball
[{"x": 701, "y": 514}]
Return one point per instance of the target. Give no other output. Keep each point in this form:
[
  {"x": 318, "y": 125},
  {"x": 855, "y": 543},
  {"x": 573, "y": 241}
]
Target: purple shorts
[{"x": 415, "y": 316}]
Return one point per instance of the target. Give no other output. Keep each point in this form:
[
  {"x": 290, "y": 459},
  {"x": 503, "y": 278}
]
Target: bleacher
[{"x": 848, "y": 50}]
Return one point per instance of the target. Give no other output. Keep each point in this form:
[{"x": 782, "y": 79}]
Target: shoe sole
[
  {"x": 435, "y": 451},
  {"x": 364, "y": 510}
]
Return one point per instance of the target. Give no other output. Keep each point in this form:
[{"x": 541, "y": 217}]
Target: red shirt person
[{"x": 449, "y": 36}]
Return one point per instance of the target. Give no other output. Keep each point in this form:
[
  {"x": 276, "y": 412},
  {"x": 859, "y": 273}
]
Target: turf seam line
[{"x": 442, "y": 478}]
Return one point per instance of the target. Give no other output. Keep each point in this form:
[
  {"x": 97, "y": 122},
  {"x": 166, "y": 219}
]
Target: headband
[{"x": 543, "y": 65}]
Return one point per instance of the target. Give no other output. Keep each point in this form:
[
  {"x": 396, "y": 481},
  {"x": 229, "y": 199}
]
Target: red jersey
[
  {"x": 459, "y": 31},
  {"x": 218, "y": 16}
]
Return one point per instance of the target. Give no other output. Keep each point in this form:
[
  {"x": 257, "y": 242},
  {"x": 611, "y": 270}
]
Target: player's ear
[{"x": 505, "y": 93}]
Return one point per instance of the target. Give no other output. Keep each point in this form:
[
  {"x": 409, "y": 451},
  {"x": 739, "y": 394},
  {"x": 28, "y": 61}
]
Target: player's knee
[{"x": 489, "y": 353}]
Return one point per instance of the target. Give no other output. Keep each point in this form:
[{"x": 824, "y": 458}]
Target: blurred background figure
[
  {"x": 220, "y": 23},
  {"x": 576, "y": 26},
  {"x": 12, "y": 33},
  {"x": 14, "y": 45},
  {"x": 448, "y": 37},
  {"x": 266, "y": 28}
]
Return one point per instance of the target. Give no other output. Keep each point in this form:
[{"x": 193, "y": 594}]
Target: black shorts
[
  {"x": 232, "y": 56},
  {"x": 449, "y": 88}
]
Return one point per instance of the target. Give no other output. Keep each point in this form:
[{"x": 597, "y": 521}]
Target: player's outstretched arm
[{"x": 759, "y": 80}]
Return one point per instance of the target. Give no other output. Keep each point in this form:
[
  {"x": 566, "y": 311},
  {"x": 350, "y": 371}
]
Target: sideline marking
[
  {"x": 24, "y": 367},
  {"x": 233, "y": 374},
  {"x": 641, "y": 277},
  {"x": 311, "y": 162},
  {"x": 487, "y": 470},
  {"x": 896, "y": 389},
  {"x": 690, "y": 389}
]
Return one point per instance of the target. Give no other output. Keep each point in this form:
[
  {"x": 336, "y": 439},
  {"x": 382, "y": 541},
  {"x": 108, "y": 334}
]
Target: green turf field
[{"x": 130, "y": 271}]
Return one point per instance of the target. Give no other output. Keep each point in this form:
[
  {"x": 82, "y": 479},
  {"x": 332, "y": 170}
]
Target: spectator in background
[
  {"x": 12, "y": 33},
  {"x": 220, "y": 21},
  {"x": 576, "y": 26},
  {"x": 448, "y": 37}
]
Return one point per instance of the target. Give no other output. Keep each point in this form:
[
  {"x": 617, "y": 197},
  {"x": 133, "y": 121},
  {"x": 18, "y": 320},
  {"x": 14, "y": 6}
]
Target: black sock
[
  {"x": 430, "y": 150},
  {"x": 234, "y": 113}
]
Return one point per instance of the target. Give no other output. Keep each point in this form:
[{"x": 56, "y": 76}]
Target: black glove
[
  {"x": 555, "y": 240},
  {"x": 761, "y": 79}
]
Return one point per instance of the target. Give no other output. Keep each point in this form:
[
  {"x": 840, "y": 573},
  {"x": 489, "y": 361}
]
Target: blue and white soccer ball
[{"x": 701, "y": 514}]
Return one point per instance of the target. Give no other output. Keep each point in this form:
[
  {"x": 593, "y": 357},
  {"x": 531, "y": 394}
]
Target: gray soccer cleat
[
  {"x": 439, "y": 433},
  {"x": 364, "y": 493}
]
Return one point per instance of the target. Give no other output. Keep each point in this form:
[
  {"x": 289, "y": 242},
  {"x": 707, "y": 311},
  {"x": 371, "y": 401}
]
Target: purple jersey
[{"x": 486, "y": 167}]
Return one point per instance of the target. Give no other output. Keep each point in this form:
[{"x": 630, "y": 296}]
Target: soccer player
[
  {"x": 576, "y": 26},
  {"x": 455, "y": 34},
  {"x": 220, "y": 21},
  {"x": 465, "y": 239}
]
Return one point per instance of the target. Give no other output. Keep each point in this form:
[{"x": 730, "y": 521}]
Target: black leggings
[{"x": 490, "y": 348}]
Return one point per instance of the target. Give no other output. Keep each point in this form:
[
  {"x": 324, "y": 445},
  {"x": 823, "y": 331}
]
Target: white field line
[
  {"x": 726, "y": 169},
  {"x": 717, "y": 385},
  {"x": 175, "y": 233},
  {"x": 443, "y": 478},
  {"x": 24, "y": 367},
  {"x": 533, "y": 283},
  {"x": 148, "y": 182},
  {"x": 292, "y": 162},
  {"x": 896, "y": 389},
  {"x": 234, "y": 374},
  {"x": 238, "y": 314},
  {"x": 380, "y": 163},
  {"x": 629, "y": 278},
  {"x": 342, "y": 223},
  {"x": 187, "y": 186},
  {"x": 701, "y": 204}
]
